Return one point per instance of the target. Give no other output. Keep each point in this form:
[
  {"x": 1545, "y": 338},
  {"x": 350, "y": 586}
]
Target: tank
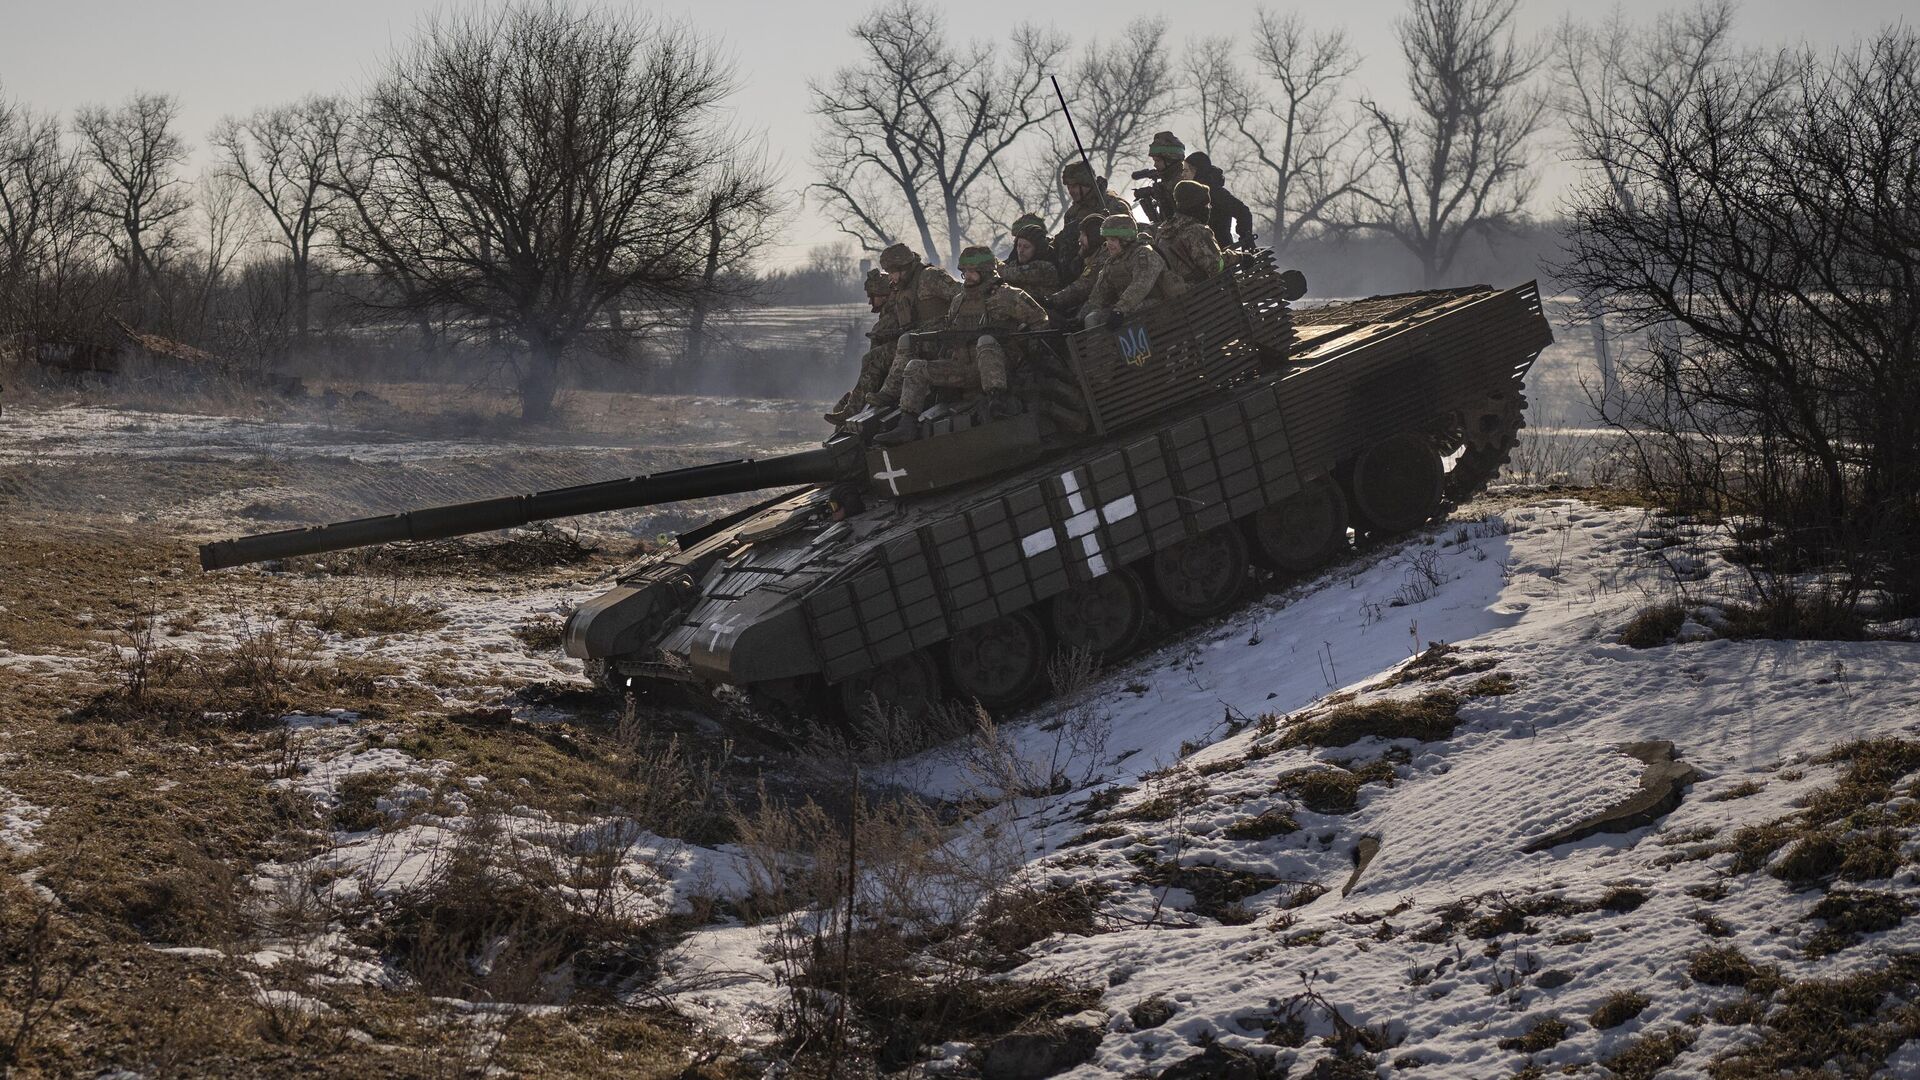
[{"x": 1159, "y": 465}]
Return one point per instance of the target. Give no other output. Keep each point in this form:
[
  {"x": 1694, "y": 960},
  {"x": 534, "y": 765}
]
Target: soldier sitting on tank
[
  {"x": 984, "y": 302},
  {"x": 1065, "y": 303},
  {"x": 1087, "y": 195},
  {"x": 1135, "y": 275},
  {"x": 921, "y": 295},
  {"x": 1185, "y": 240},
  {"x": 1227, "y": 213},
  {"x": 1031, "y": 265},
  {"x": 880, "y": 341}
]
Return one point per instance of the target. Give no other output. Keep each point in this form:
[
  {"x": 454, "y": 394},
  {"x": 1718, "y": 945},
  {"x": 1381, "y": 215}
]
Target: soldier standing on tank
[
  {"x": 879, "y": 355},
  {"x": 1135, "y": 275},
  {"x": 984, "y": 302},
  {"x": 1087, "y": 194},
  {"x": 921, "y": 295},
  {"x": 1031, "y": 266},
  {"x": 1228, "y": 213},
  {"x": 1185, "y": 240},
  {"x": 1169, "y": 156}
]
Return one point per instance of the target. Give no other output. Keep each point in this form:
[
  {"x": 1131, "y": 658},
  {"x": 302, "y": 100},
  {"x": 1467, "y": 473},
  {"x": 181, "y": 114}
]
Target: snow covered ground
[
  {"x": 1453, "y": 937},
  {"x": 1537, "y": 594}
]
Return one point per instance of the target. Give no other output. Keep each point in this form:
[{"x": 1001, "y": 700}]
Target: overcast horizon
[{"x": 222, "y": 57}]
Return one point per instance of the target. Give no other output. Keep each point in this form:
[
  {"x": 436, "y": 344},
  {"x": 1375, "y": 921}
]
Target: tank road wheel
[
  {"x": 908, "y": 684},
  {"x": 1202, "y": 576},
  {"x": 1103, "y": 617},
  {"x": 999, "y": 663},
  {"x": 1397, "y": 483},
  {"x": 1489, "y": 434},
  {"x": 1303, "y": 531}
]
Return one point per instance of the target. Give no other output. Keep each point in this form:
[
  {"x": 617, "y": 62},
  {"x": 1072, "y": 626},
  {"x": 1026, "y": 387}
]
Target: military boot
[
  {"x": 841, "y": 409},
  {"x": 904, "y": 429}
]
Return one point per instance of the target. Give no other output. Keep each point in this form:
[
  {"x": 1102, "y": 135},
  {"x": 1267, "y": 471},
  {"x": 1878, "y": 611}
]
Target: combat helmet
[
  {"x": 1079, "y": 172},
  {"x": 1192, "y": 197},
  {"x": 899, "y": 258},
  {"x": 1121, "y": 227},
  {"x": 979, "y": 259}
]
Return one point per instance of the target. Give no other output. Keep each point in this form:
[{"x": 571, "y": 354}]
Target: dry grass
[
  {"x": 1620, "y": 1007},
  {"x": 1264, "y": 826},
  {"x": 1428, "y": 718},
  {"x": 1854, "y": 1021},
  {"x": 1653, "y": 626},
  {"x": 1726, "y": 965},
  {"x": 1438, "y": 663},
  {"x": 370, "y": 616},
  {"x": 1845, "y": 829},
  {"x": 1334, "y": 790},
  {"x": 1545, "y": 1034},
  {"x": 1645, "y": 1057},
  {"x": 1850, "y": 914}
]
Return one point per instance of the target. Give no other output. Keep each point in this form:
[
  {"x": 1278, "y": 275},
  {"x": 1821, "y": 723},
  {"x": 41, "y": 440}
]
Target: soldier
[
  {"x": 921, "y": 295},
  {"x": 985, "y": 302},
  {"x": 1086, "y": 194},
  {"x": 879, "y": 354},
  {"x": 1185, "y": 240},
  {"x": 1093, "y": 258},
  {"x": 1228, "y": 214},
  {"x": 1169, "y": 156},
  {"x": 1135, "y": 275},
  {"x": 1031, "y": 265}
]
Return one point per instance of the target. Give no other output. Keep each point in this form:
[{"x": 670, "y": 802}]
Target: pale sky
[{"x": 232, "y": 56}]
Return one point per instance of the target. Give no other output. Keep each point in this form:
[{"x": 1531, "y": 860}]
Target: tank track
[{"x": 1489, "y": 435}]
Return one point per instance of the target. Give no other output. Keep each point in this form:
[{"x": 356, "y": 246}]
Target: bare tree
[
  {"x": 524, "y": 169},
  {"x": 41, "y": 219},
  {"x": 1122, "y": 90},
  {"x": 136, "y": 195},
  {"x": 742, "y": 212},
  {"x": 1312, "y": 159},
  {"x": 916, "y": 127},
  {"x": 1459, "y": 164},
  {"x": 282, "y": 155},
  {"x": 1603, "y": 73},
  {"x": 1760, "y": 217}
]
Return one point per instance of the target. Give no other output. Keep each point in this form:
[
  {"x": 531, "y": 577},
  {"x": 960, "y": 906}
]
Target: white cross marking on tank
[
  {"x": 1081, "y": 523},
  {"x": 722, "y": 628},
  {"x": 891, "y": 475}
]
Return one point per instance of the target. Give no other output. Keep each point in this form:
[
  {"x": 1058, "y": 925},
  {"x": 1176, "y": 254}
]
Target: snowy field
[{"x": 1263, "y": 897}]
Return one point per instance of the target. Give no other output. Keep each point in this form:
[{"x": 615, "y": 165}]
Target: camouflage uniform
[
  {"x": 991, "y": 303},
  {"x": 1040, "y": 274},
  {"x": 1099, "y": 202},
  {"x": 1134, "y": 279},
  {"x": 1170, "y": 160},
  {"x": 881, "y": 338},
  {"x": 921, "y": 296},
  {"x": 1185, "y": 240},
  {"x": 1074, "y": 295}
]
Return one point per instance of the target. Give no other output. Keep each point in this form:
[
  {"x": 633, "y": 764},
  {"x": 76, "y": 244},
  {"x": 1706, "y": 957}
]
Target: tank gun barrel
[{"x": 838, "y": 460}]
